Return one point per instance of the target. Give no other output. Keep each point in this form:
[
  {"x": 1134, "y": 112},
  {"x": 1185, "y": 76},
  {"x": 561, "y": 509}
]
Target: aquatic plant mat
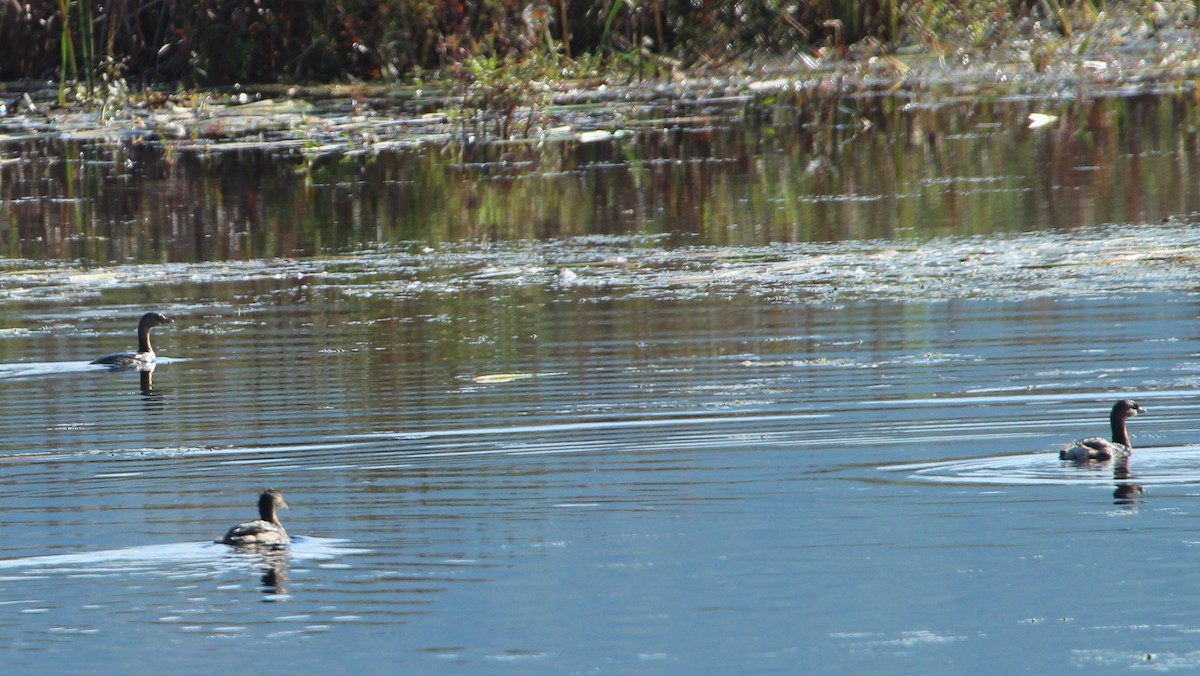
[{"x": 1088, "y": 262}]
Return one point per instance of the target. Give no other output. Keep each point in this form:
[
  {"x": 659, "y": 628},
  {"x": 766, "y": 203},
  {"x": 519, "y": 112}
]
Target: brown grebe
[
  {"x": 1097, "y": 448},
  {"x": 266, "y": 530}
]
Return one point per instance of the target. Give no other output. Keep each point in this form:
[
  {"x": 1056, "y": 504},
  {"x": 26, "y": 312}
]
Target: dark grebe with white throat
[{"x": 145, "y": 353}]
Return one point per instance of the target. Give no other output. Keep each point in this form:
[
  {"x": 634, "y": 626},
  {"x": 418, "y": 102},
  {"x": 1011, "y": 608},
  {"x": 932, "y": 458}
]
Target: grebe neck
[
  {"x": 1120, "y": 434},
  {"x": 144, "y": 341}
]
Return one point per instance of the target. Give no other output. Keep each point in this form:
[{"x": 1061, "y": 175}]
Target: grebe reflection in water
[{"x": 1127, "y": 492}]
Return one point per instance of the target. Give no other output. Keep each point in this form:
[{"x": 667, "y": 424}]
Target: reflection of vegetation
[{"x": 805, "y": 168}]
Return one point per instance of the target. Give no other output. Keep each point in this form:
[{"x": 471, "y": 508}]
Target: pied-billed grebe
[
  {"x": 145, "y": 353},
  {"x": 266, "y": 530},
  {"x": 1097, "y": 448}
]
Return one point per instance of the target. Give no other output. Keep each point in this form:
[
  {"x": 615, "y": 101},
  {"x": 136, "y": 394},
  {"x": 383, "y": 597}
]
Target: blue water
[{"x": 531, "y": 477}]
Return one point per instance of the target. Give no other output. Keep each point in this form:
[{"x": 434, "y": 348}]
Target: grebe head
[
  {"x": 1121, "y": 411},
  {"x": 1126, "y": 409},
  {"x": 153, "y": 319},
  {"x": 268, "y": 502}
]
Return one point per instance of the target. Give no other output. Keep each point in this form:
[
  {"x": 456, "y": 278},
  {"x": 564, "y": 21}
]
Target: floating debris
[
  {"x": 1037, "y": 120},
  {"x": 499, "y": 378}
]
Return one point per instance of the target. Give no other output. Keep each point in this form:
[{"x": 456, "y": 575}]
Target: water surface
[
  {"x": 732, "y": 385},
  {"x": 508, "y": 469}
]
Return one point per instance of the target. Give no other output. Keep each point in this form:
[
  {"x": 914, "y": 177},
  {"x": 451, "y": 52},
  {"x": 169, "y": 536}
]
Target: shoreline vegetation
[
  {"x": 520, "y": 69},
  {"x": 1027, "y": 127}
]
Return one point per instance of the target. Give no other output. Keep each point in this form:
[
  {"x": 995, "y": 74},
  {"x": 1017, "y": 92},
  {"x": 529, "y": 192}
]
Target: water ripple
[{"x": 1150, "y": 466}]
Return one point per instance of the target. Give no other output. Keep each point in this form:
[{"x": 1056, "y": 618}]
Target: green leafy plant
[{"x": 495, "y": 90}]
